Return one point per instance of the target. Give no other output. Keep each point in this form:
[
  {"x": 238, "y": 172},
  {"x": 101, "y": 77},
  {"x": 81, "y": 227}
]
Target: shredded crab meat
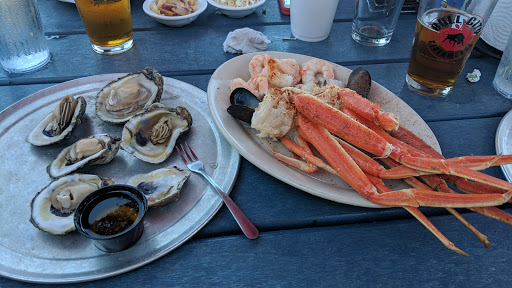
[
  {"x": 237, "y": 3},
  {"x": 275, "y": 115}
]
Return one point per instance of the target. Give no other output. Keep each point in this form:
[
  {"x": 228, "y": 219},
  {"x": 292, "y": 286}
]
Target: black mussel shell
[
  {"x": 240, "y": 112},
  {"x": 360, "y": 81},
  {"x": 243, "y": 103},
  {"x": 244, "y": 97}
]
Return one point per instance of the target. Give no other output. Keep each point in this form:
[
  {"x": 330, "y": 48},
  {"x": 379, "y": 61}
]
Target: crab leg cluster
[
  {"x": 324, "y": 127},
  {"x": 346, "y": 128}
]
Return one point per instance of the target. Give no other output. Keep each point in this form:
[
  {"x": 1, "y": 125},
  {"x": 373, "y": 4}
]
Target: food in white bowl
[
  {"x": 165, "y": 9},
  {"x": 237, "y": 3},
  {"x": 236, "y": 8},
  {"x": 173, "y": 7}
]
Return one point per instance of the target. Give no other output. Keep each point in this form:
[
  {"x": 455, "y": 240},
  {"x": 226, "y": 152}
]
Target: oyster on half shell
[
  {"x": 152, "y": 134},
  {"x": 60, "y": 123},
  {"x": 53, "y": 208},
  {"x": 93, "y": 150},
  {"x": 120, "y": 99},
  {"x": 160, "y": 186}
]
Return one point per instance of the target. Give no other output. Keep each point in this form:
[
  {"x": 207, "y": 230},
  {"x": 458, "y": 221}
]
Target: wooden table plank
[
  {"x": 267, "y": 14},
  {"x": 192, "y": 51},
  {"x": 306, "y": 241},
  {"x": 384, "y": 254},
  {"x": 468, "y": 100}
]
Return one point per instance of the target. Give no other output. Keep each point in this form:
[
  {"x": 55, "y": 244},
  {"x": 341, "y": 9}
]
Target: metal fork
[{"x": 195, "y": 165}]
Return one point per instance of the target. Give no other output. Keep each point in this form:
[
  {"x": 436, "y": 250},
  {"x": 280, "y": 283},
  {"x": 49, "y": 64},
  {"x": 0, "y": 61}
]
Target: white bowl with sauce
[
  {"x": 236, "y": 12},
  {"x": 175, "y": 21}
]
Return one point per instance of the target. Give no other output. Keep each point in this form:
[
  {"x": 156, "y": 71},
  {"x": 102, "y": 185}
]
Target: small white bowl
[
  {"x": 236, "y": 12},
  {"x": 175, "y": 21}
]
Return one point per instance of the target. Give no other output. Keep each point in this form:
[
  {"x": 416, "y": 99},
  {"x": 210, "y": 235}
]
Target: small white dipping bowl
[
  {"x": 236, "y": 12},
  {"x": 175, "y": 21}
]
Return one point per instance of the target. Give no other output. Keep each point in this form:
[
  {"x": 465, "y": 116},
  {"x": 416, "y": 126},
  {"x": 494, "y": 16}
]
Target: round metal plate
[{"x": 46, "y": 258}]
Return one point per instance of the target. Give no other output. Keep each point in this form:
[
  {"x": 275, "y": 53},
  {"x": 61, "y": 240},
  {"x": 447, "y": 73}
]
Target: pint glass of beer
[
  {"x": 446, "y": 32},
  {"x": 108, "y": 24}
]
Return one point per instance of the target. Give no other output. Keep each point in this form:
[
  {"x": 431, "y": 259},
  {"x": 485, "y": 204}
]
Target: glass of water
[
  {"x": 503, "y": 79},
  {"x": 23, "y": 46},
  {"x": 375, "y": 20}
]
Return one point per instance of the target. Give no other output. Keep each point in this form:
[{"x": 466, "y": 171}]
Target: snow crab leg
[
  {"x": 365, "y": 162},
  {"x": 463, "y": 184},
  {"x": 348, "y": 170}
]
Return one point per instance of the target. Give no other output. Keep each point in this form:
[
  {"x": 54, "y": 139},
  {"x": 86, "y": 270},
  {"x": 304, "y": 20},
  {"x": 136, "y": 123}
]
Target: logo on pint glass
[{"x": 452, "y": 35}]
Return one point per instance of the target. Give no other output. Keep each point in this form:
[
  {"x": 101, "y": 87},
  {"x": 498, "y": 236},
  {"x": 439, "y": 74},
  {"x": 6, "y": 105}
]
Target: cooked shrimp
[
  {"x": 240, "y": 83},
  {"x": 294, "y": 67},
  {"x": 280, "y": 73},
  {"x": 313, "y": 67},
  {"x": 258, "y": 63},
  {"x": 258, "y": 85}
]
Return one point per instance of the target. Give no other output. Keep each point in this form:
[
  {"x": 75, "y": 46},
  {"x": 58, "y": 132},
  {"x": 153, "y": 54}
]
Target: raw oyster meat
[
  {"x": 160, "y": 186},
  {"x": 60, "y": 123},
  {"x": 119, "y": 100},
  {"x": 53, "y": 208},
  {"x": 151, "y": 134},
  {"x": 93, "y": 150}
]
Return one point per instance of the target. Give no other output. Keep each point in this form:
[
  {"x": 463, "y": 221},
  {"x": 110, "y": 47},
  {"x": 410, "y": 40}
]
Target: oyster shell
[
  {"x": 151, "y": 134},
  {"x": 160, "y": 186},
  {"x": 60, "y": 123},
  {"x": 93, "y": 150},
  {"x": 53, "y": 208},
  {"x": 120, "y": 99}
]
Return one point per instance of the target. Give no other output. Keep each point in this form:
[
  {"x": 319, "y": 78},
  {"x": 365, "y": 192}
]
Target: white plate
[
  {"x": 256, "y": 151},
  {"x": 46, "y": 258},
  {"x": 504, "y": 142}
]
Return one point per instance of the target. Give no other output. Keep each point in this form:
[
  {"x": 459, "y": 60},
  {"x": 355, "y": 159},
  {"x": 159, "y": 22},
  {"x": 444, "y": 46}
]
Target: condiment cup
[
  {"x": 112, "y": 217},
  {"x": 236, "y": 12},
  {"x": 175, "y": 21}
]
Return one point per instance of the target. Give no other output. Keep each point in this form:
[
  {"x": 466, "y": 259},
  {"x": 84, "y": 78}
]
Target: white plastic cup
[
  {"x": 23, "y": 46},
  {"x": 310, "y": 20},
  {"x": 503, "y": 79}
]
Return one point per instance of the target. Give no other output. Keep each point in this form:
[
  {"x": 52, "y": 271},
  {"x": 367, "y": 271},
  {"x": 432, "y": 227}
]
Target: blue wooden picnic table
[{"x": 305, "y": 241}]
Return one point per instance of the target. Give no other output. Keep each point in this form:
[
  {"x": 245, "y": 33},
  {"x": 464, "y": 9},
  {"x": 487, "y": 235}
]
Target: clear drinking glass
[
  {"x": 503, "y": 79},
  {"x": 23, "y": 46},
  {"x": 108, "y": 24},
  {"x": 446, "y": 32},
  {"x": 375, "y": 20}
]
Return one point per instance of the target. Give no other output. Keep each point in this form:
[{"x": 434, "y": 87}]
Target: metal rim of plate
[
  {"x": 504, "y": 142},
  {"x": 70, "y": 258}
]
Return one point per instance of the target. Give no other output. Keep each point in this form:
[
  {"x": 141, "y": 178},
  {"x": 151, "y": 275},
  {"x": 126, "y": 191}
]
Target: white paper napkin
[{"x": 245, "y": 40}]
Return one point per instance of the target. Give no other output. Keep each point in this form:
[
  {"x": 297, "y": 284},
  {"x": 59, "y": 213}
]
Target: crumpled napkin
[
  {"x": 474, "y": 76},
  {"x": 245, "y": 40}
]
